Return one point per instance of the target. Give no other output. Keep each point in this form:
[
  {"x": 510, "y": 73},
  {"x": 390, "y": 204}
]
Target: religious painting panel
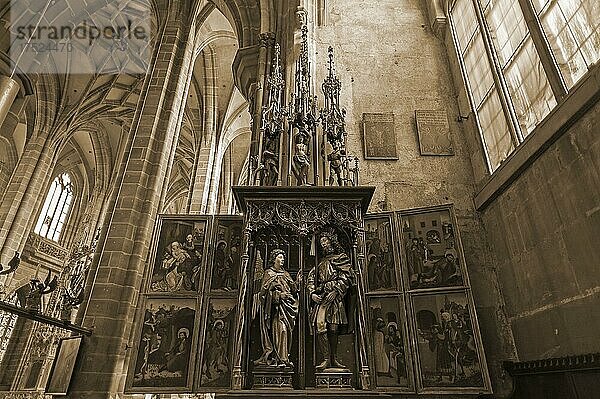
[
  {"x": 448, "y": 344},
  {"x": 215, "y": 370},
  {"x": 380, "y": 256},
  {"x": 431, "y": 249},
  {"x": 178, "y": 254},
  {"x": 166, "y": 346},
  {"x": 226, "y": 259},
  {"x": 390, "y": 349}
]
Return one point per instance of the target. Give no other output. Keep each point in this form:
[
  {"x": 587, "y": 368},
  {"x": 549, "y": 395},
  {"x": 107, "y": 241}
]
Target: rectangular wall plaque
[
  {"x": 434, "y": 132},
  {"x": 379, "y": 136}
]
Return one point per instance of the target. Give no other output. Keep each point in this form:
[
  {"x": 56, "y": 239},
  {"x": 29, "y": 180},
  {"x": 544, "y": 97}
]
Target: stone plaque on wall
[
  {"x": 434, "y": 132},
  {"x": 379, "y": 136}
]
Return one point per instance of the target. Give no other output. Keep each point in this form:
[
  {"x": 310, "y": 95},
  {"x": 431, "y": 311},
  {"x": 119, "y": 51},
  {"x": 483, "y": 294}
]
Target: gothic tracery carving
[{"x": 303, "y": 217}]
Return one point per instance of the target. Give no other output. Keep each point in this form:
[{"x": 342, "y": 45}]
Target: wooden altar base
[
  {"x": 341, "y": 379},
  {"x": 272, "y": 377}
]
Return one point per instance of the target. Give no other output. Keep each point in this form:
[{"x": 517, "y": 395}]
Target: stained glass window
[
  {"x": 56, "y": 208},
  {"x": 520, "y": 64}
]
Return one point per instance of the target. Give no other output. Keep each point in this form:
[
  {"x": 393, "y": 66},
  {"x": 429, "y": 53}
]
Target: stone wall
[
  {"x": 544, "y": 229},
  {"x": 390, "y": 61}
]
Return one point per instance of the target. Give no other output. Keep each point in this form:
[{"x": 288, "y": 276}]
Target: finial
[
  {"x": 277, "y": 59},
  {"x": 331, "y": 63}
]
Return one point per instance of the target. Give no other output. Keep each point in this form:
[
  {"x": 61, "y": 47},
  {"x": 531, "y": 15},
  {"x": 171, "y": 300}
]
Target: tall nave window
[
  {"x": 56, "y": 208},
  {"x": 519, "y": 58}
]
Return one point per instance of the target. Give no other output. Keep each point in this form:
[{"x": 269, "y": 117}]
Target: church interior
[{"x": 301, "y": 198}]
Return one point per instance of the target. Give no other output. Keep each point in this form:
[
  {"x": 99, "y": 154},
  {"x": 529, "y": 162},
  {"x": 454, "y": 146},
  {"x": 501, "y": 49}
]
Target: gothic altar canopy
[{"x": 306, "y": 291}]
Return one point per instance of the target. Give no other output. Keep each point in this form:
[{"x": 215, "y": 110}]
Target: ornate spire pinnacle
[
  {"x": 272, "y": 125},
  {"x": 303, "y": 120},
  {"x": 311, "y": 158},
  {"x": 333, "y": 121}
]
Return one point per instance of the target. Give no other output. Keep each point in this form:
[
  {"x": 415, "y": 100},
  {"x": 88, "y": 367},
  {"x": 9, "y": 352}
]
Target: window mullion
[
  {"x": 503, "y": 94},
  {"x": 59, "y": 203},
  {"x": 540, "y": 42}
]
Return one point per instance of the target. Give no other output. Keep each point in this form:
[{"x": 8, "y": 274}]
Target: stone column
[
  {"x": 9, "y": 88},
  {"x": 124, "y": 247},
  {"x": 24, "y": 193},
  {"x": 200, "y": 187}
]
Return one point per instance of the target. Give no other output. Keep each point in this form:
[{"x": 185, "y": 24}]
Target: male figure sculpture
[
  {"x": 328, "y": 284},
  {"x": 301, "y": 159}
]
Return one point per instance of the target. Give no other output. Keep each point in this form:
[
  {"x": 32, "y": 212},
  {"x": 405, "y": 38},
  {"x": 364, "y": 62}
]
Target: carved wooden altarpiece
[{"x": 304, "y": 293}]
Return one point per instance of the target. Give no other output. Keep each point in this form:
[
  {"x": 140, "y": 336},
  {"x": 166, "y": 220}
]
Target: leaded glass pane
[
  {"x": 573, "y": 31},
  {"x": 55, "y": 208},
  {"x": 496, "y": 135},
  {"x": 465, "y": 22},
  {"x": 507, "y": 27},
  {"x": 529, "y": 88},
  {"x": 477, "y": 67}
]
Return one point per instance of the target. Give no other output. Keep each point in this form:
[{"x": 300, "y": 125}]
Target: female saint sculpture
[{"x": 277, "y": 311}]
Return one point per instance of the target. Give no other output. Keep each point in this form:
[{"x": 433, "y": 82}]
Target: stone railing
[{"x": 42, "y": 247}]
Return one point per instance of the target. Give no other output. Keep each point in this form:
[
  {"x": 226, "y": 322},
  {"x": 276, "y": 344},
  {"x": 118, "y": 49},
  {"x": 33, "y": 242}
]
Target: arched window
[
  {"x": 519, "y": 58},
  {"x": 56, "y": 208}
]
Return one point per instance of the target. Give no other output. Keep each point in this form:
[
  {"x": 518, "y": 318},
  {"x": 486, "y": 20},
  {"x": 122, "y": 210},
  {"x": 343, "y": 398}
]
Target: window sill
[{"x": 581, "y": 98}]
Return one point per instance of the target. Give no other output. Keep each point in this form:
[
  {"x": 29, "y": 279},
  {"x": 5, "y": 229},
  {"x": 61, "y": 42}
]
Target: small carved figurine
[
  {"x": 31, "y": 296},
  {"x": 335, "y": 166},
  {"x": 69, "y": 303},
  {"x": 12, "y": 265},
  {"x": 301, "y": 160}
]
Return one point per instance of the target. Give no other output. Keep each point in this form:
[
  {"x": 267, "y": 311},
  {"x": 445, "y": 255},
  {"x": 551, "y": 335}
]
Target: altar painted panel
[
  {"x": 381, "y": 259},
  {"x": 178, "y": 254},
  {"x": 431, "y": 252},
  {"x": 165, "y": 347},
  {"x": 218, "y": 340},
  {"x": 448, "y": 344},
  {"x": 391, "y": 353},
  {"x": 225, "y": 251}
]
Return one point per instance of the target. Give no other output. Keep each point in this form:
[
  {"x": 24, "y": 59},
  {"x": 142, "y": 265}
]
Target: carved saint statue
[
  {"x": 335, "y": 166},
  {"x": 329, "y": 287},
  {"x": 301, "y": 159},
  {"x": 271, "y": 172},
  {"x": 278, "y": 309}
]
